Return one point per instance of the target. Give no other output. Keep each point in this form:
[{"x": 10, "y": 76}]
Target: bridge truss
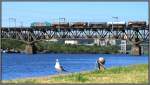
[{"x": 30, "y": 35}]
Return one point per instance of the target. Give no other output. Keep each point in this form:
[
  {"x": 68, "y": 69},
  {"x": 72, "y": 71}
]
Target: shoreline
[
  {"x": 49, "y": 76},
  {"x": 138, "y": 71}
]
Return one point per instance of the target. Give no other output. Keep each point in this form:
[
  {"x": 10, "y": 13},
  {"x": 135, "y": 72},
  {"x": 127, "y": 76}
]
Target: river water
[{"x": 16, "y": 66}]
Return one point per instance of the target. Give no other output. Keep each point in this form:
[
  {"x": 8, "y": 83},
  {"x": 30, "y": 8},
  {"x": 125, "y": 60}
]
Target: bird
[
  {"x": 58, "y": 67},
  {"x": 101, "y": 62}
]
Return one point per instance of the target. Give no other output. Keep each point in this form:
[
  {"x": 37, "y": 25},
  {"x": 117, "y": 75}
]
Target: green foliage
[
  {"x": 8, "y": 43},
  {"x": 51, "y": 47},
  {"x": 80, "y": 78},
  {"x": 62, "y": 48},
  {"x": 123, "y": 69}
]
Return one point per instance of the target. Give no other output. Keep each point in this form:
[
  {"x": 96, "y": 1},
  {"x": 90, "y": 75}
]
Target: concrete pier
[
  {"x": 30, "y": 49},
  {"x": 136, "y": 50}
]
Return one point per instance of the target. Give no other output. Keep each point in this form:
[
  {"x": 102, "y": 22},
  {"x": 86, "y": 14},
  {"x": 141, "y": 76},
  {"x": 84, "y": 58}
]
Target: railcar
[
  {"x": 62, "y": 25},
  {"x": 116, "y": 25},
  {"x": 137, "y": 24},
  {"x": 98, "y": 25},
  {"x": 79, "y": 24}
]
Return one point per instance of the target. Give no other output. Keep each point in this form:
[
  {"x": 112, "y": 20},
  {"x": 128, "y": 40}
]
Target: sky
[{"x": 27, "y": 12}]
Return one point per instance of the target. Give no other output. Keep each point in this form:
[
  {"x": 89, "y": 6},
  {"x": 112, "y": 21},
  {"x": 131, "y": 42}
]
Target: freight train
[{"x": 92, "y": 25}]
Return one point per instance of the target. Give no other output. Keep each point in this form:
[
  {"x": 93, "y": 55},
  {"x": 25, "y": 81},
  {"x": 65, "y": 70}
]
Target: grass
[{"x": 129, "y": 74}]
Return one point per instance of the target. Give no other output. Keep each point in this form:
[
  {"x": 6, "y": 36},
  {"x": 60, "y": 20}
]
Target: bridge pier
[
  {"x": 136, "y": 50},
  {"x": 30, "y": 49}
]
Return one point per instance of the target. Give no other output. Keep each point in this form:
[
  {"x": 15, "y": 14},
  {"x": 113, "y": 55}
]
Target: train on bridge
[
  {"x": 134, "y": 32},
  {"x": 93, "y": 25}
]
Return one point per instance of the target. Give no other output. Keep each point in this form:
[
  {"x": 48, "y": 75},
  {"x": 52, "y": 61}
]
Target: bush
[{"x": 9, "y": 44}]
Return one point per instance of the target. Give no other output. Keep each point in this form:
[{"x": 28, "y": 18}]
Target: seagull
[{"x": 58, "y": 67}]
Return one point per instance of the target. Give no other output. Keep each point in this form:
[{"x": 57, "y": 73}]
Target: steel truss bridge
[{"x": 32, "y": 35}]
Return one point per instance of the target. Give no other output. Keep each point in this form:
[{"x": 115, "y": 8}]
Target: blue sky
[{"x": 27, "y": 12}]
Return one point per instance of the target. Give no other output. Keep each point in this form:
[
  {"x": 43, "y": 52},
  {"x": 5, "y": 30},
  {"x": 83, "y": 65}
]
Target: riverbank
[
  {"x": 14, "y": 46},
  {"x": 128, "y": 74},
  {"x": 57, "y": 47}
]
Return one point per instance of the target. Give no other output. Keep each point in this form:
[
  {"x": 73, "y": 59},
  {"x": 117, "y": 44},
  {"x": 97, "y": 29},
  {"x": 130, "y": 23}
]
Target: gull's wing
[{"x": 62, "y": 68}]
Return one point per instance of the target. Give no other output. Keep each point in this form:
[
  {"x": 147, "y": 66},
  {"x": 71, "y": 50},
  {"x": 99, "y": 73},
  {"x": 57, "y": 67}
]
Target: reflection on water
[{"x": 23, "y": 65}]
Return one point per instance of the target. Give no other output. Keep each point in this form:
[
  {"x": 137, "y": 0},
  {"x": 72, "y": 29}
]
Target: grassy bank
[{"x": 129, "y": 74}]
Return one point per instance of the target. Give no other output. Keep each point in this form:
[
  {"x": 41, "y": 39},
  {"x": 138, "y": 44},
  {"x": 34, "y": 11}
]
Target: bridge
[{"x": 30, "y": 35}]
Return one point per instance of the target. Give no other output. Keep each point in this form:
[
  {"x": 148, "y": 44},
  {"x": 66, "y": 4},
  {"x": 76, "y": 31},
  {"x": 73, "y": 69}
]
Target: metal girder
[{"x": 31, "y": 35}]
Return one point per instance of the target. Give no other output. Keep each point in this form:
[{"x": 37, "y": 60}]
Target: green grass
[{"x": 129, "y": 74}]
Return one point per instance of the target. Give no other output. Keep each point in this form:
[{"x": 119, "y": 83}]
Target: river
[{"x": 16, "y": 66}]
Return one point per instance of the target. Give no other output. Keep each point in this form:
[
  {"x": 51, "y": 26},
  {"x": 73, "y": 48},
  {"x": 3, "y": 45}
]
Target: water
[{"x": 16, "y": 66}]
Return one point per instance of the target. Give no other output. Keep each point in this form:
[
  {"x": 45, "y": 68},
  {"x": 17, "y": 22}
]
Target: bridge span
[{"x": 29, "y": 35}]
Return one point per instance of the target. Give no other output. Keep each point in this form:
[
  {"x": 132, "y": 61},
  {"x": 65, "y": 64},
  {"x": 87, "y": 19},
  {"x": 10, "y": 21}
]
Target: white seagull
[{"x": 58, "y": 67}]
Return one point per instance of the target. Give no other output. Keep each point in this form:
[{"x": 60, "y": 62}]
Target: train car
[
  {"x": 63, "y": 25},
  {"x": 137, "y": 24},
  {"x": 79, "y": 24},
  {"x": 99, "y": 25},
  {"x": 40, "y": 24},
  {"x": 116, "y": 25}
]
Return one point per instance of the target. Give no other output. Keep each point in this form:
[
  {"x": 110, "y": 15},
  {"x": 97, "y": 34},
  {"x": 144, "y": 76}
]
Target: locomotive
[{"x": 40, "y": 24}]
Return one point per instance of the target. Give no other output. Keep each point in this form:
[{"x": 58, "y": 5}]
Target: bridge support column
[
  {"x": 30, "y": 49},
  {"x": 136, "y": 50},
  {"x": 96, "y": 41}
]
